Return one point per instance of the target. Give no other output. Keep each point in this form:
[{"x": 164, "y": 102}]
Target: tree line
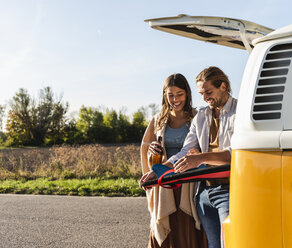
[{"x": 44, "y": 121}]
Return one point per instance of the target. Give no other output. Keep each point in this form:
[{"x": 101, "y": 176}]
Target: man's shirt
[{"x": 198, "y": 136}]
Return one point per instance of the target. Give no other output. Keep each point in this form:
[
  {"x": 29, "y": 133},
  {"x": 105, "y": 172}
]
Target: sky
[{"x": 102, "y": 53}]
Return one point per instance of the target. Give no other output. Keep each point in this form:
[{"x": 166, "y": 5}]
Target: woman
[{"x": 173, "y": 216}]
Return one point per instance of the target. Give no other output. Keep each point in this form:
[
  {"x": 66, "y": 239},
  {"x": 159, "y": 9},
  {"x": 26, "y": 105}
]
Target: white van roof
[
  {"x": 224, "y": 31},
  {"x": 278, "y": 34}
]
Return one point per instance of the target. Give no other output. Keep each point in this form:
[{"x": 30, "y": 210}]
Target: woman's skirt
[{"x": 183, "y": 232}]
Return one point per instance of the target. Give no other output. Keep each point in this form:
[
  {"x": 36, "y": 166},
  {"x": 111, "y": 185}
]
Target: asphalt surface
[{"x": 65, "y": 221}]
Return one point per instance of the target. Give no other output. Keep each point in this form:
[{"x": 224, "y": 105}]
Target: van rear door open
[{"x": 218, "y": 30}]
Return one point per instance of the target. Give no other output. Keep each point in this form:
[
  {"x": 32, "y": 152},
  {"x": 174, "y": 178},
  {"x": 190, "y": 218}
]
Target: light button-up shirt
[{"x": 198, "y": 136}]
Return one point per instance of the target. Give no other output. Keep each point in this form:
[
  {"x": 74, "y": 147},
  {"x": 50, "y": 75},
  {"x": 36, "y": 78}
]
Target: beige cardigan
[{"x": 161, "y": 201}]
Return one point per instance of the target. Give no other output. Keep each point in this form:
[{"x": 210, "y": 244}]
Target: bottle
[{"x": 157, "y": 159}]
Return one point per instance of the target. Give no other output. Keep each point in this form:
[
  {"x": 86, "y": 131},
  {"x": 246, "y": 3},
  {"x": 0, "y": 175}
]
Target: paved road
[{"x": 29, "y": 221}]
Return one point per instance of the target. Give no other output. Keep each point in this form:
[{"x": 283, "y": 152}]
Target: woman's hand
[
  {"x": 187, "y": 162},
  {"x": 150, "y": 175},
  {"x": 155, "y": 148}
]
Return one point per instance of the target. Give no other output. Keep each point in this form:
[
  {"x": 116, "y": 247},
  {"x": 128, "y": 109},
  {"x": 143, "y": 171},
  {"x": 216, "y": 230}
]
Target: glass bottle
[{"x": 157, "y": 159}]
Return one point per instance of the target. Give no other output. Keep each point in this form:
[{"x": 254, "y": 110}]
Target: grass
[
  {"x": 77, "y": 187},
  {"x": 93, "y": 170}
]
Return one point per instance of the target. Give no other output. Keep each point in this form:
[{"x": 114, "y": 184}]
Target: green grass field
[{"x": 78, "y": 187}]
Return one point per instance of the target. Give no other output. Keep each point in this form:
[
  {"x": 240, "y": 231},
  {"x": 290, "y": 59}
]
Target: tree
[
  {"x": 16, "y": 130},
  {"x": 71, "y": 133},
  {"x": 139, "y": 125},
  {"x": 32, "y": 122},
  {"x": 49, "y": 118},
  {"x": 90, "y": 125},
  {"x": 111, "y": 123},
  {"x": 19, "y": 121},
  {"x": 58, "y": 123},
  {"x": 124, "y": 127},
  {"x": 42, "y": 115}
]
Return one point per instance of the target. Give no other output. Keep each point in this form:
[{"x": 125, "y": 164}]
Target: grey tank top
[{"x": 174, "y": 139}]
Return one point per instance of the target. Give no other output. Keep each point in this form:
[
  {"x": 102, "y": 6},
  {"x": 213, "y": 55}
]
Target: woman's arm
[{"x": 146, "y": 141}]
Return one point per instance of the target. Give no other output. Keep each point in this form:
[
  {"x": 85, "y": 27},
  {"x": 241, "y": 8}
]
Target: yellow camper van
[{"x": 261, "y": 167}]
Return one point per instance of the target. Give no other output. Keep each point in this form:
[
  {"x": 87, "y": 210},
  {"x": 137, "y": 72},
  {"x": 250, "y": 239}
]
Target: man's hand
[
  {"x": 187, "y": 162},
  {"x": 150, "y": 175},
  {"x": 193, "y": 152}
]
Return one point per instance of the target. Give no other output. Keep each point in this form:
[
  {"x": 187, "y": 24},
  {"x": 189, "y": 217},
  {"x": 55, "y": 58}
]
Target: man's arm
[
  {"x": 191, "y": 141},
  {"x": 193, "y": 161},
  {"x": 216, "y": 158}
]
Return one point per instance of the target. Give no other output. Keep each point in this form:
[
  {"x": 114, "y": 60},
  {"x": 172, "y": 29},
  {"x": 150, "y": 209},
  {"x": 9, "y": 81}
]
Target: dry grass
[{"x": 64, "y": 162}]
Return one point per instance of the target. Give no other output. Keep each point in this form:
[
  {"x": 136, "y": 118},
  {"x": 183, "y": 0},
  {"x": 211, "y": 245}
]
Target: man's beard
[
  {"x": 214, "y": 104},
  {"x": 217, "y": 102}
]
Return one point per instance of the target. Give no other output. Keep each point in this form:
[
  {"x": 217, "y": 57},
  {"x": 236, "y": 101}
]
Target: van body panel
[
  {"x": 265, "y": 98},
  {"x": 286, "y": 140},
  {"x": 261, "y": 140},
  {"x": 287, "y": 101},
  {"x": 255, "y": 216},
  {"x": 275, "y": 35},
  {"x": 247, "y": 133},
  {"x": 287, "y": 198}
]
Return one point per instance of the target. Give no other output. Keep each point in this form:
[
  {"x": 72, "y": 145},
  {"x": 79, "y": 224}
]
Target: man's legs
[{"x": 213, "y": 207}]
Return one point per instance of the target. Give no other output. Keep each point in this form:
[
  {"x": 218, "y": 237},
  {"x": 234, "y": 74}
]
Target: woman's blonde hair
[{"x": 181, "y": 82}]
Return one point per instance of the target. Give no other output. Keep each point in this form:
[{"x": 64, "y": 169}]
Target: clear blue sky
[{"x": 101, "y": 52}]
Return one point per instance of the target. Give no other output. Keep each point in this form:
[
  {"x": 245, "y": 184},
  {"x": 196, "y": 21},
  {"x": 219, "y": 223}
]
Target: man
[{"x": 208, "y": 142}]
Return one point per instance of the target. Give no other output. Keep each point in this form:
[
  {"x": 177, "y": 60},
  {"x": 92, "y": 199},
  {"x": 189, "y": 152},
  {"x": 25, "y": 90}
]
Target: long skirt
[{"x": 183, "y": 232}]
